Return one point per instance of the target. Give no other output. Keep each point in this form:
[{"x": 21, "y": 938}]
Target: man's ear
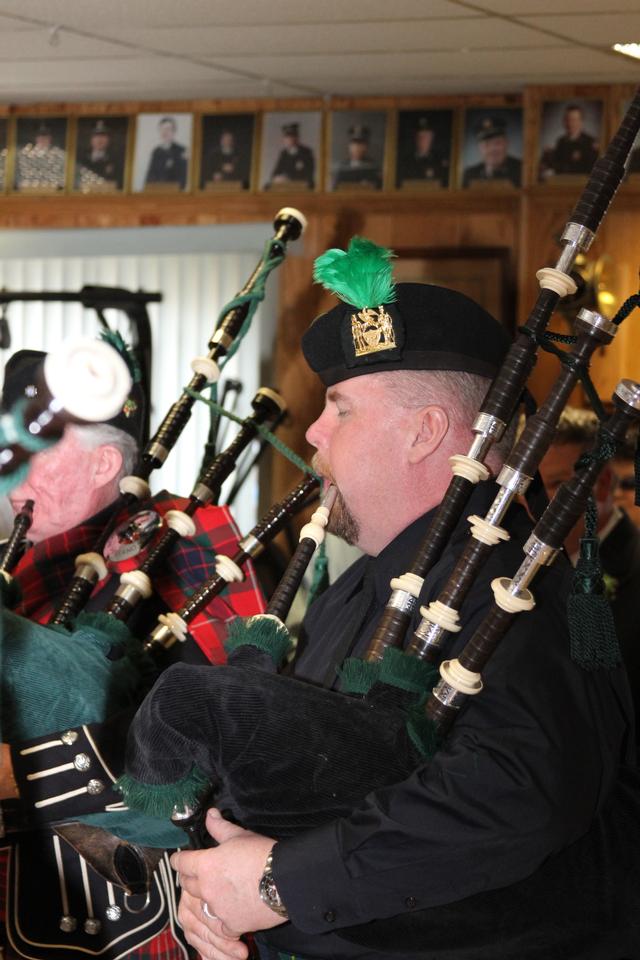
[
  {"x": 430, "y": 426},
  {"x": 107, "y": 463}
]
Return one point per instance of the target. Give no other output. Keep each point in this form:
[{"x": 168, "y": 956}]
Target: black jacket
[{"x": 522, "y": 775}]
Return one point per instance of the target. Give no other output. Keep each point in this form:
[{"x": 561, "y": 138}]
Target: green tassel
[
  {"x": 407, "y": 673},
  {"x": 592, "y": 632},
  {"x": 160, "y": 799},
  {"x": 358, "y": 676},
  {"x": 116, "y": 340},
  {"x": 264, "y": 633},
  {"x": 320, "y": 579},
  {"x": 361, "y": 276}
]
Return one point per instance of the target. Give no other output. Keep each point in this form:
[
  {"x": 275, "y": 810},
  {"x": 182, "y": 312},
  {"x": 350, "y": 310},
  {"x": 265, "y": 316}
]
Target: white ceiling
[{"x": 163, "y": 49}]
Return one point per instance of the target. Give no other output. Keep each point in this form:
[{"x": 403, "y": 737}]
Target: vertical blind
[{"x": 194, "y": 287}]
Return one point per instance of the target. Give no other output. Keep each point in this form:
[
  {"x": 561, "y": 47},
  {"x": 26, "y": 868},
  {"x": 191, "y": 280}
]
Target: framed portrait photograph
[
  {"x": 162, "y": 158},
  {"x": 4, "y": 152},
  {"x": 41, "y": 154},
  {"x": 570, "y": 137},
  {"x": 291, "y": 150},
  {"x": 491, "y": 149},
  {"x": 357, "y": 153},
  {"x": 101, "y": 154},
  {"x": 423, "y": 149},
  {"x": 226, "y": 151}
]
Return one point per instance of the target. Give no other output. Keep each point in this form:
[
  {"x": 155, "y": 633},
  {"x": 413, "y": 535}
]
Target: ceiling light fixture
[{"x": 628, "y": 49}]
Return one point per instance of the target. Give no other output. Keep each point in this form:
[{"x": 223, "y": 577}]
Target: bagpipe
[
  {"x": 279, "y": 755},
  {"x": 95, "y": 666}
]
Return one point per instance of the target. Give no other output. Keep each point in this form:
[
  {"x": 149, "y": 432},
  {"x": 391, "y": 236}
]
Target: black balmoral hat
[
  {"x": 21, "y": 378},
  {"x": 405, "y": 326}
]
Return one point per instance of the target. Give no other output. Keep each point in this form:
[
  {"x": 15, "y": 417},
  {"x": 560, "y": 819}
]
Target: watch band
[{"x": 268, "y": 890}]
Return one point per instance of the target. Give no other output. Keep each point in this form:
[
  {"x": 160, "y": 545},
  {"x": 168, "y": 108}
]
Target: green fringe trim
[
  {"x": 264, "y": 633},
  {"x": 358, "y": 676},
  {"x": 422, "y": 731},
  {"x": 115, "y": 339},
  {"x": 160, "y": 799},
  {"x": 407, "y": 673},
  {"x": 361, "y": 276}
]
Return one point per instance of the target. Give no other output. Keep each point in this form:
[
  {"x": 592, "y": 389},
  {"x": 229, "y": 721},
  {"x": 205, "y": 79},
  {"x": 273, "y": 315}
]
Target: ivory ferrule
[
  {"x": 512, "y": 597},
  {"x": 93, "y": 566},
  {"x": 466, "y": 682},
  {"x": 468, "y": 468},
  {"x": 550, "y": 278},
  {"x": 181, "y": 522},
  {"x": 136, "y": 486},
  {"x": 409, "y": 582},
  {"x": 486, "y": 532}
]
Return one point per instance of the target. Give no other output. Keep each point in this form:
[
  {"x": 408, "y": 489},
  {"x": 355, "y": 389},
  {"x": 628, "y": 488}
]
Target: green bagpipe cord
[{"x": 53, "y": 678}]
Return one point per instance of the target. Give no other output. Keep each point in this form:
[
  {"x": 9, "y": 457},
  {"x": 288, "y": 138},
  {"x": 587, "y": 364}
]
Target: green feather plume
[
  {"x": 115, "y": 339},
  {"x": 362, "y": 276}
]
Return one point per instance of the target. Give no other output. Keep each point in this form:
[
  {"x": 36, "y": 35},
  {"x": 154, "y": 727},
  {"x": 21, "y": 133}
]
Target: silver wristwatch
[{"x": 268, "y": 890}]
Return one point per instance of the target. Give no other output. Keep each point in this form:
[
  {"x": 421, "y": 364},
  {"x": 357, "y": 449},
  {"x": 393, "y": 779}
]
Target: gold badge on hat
[{"x": 372, "y": 330}]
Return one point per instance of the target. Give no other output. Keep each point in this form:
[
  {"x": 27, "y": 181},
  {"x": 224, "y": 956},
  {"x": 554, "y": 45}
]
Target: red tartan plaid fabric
[{"x": 46, "y": 569}]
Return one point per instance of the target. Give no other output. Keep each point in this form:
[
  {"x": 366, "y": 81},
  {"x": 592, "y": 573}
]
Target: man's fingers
[
  {"x": 208, "y": 939},
  {"x": 220, "y": 829}
]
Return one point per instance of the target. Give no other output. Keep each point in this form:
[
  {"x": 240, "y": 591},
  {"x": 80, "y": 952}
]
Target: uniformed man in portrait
[
  {"x": 359, "y": 168},
  {"x": 295, "y": 163},
  {"x": 575, "y": 151},
  {"x": 168, "y": 161},
  {"x": 99, "y": 163},
  {"x": 40, "y": 162},
  {"x": 496, "y": 163},
  {"x": 426, "y": 160},
  {"x": 226, "y": 163}
]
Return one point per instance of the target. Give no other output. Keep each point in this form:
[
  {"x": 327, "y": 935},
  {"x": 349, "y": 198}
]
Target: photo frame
[
  {"x": 357, "y": 152},
  {"x": 291, "y": 150},
  {"x": 100, "y": 155},
  {"x": 226, "y": 151},
  {"x": 491, "y": 148},
  {"x": 41, "y": 155},
  {"x": 424, "y": 149},
  {"x": 570, "y": 136},
  {"x": 162, "y": 156}
]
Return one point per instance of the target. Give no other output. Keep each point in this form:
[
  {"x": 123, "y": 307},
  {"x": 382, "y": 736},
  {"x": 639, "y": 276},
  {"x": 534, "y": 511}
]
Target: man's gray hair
[
  {"x": 459, "y": 392},
  {"x": 94, "y": 435}
]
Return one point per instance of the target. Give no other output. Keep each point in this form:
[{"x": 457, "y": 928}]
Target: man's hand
[
  {"x": 8, "y": 786},
  {"x": 224, "y": 880}
]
